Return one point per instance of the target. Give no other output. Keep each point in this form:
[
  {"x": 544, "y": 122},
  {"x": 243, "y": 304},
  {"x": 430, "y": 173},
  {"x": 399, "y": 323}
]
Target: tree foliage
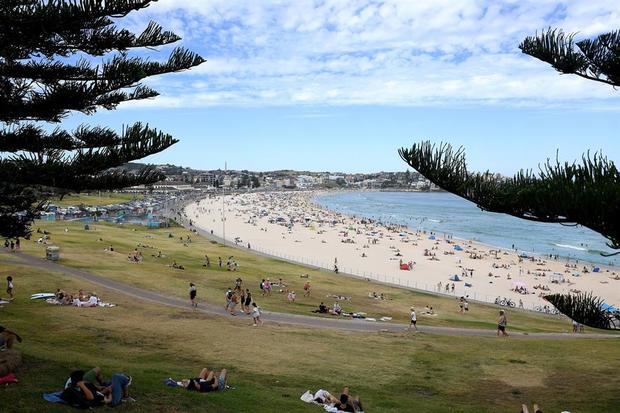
[
  {"x": 595, "y": 59},
  {"x": 586, "y": 193},
  {"x": 585, "y": 308},
  {"x": 62, "y": 56},
  {"x": 571, "y": 193}
]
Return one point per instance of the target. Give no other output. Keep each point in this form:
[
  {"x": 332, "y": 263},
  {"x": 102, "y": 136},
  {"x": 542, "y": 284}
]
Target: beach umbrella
[
  {"x": 520, "y": 284},
  {"x": 458, "y": 248}
]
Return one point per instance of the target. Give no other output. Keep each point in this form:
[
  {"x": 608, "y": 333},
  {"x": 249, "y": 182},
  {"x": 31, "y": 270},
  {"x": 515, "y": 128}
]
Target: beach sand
[{"x": 371, "y": 250}]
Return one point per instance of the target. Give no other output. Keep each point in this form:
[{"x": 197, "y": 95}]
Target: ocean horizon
[{"x": 448, "y": 214}]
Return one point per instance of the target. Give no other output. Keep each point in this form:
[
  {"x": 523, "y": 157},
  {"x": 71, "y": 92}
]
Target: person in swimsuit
[{"x": 192, "y": 295}]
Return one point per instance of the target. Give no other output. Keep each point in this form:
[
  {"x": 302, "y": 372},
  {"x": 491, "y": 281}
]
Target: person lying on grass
[
  {"x": 81, "y": 393},
  {"x": 207, "y": 381},
  {"x": 344, "y": 403}
]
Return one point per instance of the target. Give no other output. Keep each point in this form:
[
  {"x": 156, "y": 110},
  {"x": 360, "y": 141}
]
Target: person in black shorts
[
  {"x": 207, "y": 381},
  {"x": 248, "y": 300},
  {"x": 192, "y": 294}
]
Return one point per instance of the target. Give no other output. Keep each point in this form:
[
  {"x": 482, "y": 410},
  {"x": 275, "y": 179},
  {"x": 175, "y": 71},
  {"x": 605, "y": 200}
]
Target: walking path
[{"x": 279, "y": 318}]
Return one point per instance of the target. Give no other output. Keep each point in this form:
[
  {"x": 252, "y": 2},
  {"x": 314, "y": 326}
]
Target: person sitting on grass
[
  {"x": 7, "y": 338},
  {"x": 207, "y": 381},
  {"x": 82, "y": 394},
  {"x": 322, "y": 309},
  {"x": 346, "y": 403},
  {"x": 177, "y": 266},
  {"x": 60, "y": 295},
  {"x": 337, "y": 310},
  {"x": 79, "y": 392}
]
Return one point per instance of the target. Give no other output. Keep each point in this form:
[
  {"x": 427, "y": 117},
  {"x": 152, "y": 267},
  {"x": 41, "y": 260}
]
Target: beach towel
[{"x": 54, "y": 397}]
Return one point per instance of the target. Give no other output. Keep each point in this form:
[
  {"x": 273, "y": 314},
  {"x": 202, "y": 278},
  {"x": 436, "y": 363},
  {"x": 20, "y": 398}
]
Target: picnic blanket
[
  {"x": 99, "y": 304},
  {"x": 54, "y": 397}
]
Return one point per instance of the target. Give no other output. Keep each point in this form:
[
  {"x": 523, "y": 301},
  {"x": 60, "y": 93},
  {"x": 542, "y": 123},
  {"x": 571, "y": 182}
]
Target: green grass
[
  {"x": 270, "y": 367},
  {"x": 95, "y": 199},
  {"x": 85, "y": 249}
]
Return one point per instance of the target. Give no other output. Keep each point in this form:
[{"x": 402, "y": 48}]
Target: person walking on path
[
  {"x": 192, "y": 294},
  {"x": 502, "y": 321},
  {"x": 414, "y": 319},
  {"x": 256, "y": 313},
  {"x": 248, "y": 301}
]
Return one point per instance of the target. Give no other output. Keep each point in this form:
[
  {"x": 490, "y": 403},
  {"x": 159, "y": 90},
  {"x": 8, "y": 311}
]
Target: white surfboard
[{"x": 41, "y": 296}]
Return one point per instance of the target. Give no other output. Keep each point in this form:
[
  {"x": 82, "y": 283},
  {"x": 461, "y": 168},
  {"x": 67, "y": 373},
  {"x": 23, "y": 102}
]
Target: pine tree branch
[
  {"x": 587, "y": 194},
  {"x": 49, "y": 28},
  {"x": 585, "y": 309},
  {"x": 54, "y": 97},
  {"x": 59, "y": 170},
  {"x": 596, "y": 60}
]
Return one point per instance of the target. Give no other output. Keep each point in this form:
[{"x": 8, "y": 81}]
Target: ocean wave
[
  {"x": 435, "y": 220},
  {"x": 572, "y": 247}
]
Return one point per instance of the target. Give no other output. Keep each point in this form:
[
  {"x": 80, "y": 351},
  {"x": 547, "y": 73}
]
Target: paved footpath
[{"x": 300, "y": 321}]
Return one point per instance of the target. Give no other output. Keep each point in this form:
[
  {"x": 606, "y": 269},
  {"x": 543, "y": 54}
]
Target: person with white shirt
[{"x": 414, "y": 319}]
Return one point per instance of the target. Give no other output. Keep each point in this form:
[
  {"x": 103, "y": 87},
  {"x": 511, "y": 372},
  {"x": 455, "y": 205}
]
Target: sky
[{"x": 340, "y": 85}]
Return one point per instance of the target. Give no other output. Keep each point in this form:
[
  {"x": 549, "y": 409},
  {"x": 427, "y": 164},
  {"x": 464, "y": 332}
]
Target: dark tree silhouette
[
  {"x": 62, "y": 56},
  {"x": 586, "y": 193}
]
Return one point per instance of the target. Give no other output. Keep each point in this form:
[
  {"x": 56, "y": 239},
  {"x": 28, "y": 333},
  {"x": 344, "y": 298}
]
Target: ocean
[{"x": 444, "y": 213}]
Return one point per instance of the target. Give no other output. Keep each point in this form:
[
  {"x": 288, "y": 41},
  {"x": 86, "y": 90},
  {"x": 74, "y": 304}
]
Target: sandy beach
[{"x": 291, "y": 226}]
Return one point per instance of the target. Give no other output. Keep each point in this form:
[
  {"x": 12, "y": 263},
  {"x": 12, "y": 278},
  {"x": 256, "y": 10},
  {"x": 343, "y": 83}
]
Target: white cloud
[{"x": 392, "y": 52}]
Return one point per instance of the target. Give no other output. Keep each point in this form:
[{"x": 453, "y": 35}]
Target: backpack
[{"x": 262, "y": 287}]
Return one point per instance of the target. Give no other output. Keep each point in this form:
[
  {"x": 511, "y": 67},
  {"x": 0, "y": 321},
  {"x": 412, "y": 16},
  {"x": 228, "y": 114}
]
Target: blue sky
[{"x": 341, "y": 85}]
